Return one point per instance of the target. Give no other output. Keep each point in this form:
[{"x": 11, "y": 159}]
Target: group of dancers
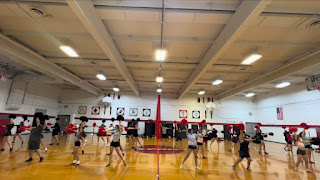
[{"x": 197, "y": 141}]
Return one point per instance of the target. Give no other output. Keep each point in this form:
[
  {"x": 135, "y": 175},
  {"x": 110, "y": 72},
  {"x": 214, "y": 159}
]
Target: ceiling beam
[
  {"x": 247, "y": 12},
  {"x": 86, "y": 13},
  {"x": 158, "y": 38},
  {"x": 308, "y": 59},
  {"x": 33, "y": 60}
]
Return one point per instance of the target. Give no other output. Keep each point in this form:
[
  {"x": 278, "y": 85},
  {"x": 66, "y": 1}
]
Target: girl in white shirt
[
  {"x": 200, "y": 143},
  {"x": 191, "y": 147}
]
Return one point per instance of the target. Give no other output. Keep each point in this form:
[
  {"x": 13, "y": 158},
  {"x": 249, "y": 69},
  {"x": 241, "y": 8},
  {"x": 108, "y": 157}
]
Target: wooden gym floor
[{"x": 276, "y": 165}]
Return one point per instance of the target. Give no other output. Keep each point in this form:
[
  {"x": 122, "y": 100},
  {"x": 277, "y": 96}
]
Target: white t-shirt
[
  {"x": 200, "y": 139},
  {"x": 192, "y": 139}
]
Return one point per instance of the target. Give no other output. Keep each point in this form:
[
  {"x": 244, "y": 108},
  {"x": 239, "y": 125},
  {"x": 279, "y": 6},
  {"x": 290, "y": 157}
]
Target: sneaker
[
  {"x": 30, "y": 159},
  {"x": 234, "y": 167},
  {"x": 41, "y": 159},
  {"x": 108, "y": 165},
  {"x": 181, "y": 166},
  {"x": 197, "y": 168},
  {"x": 295, "y": 169},
  {"x": 248, "y": 169}
]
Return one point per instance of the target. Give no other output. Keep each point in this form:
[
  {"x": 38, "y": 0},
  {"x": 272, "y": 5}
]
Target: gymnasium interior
[{"x": 238, "y": 66}]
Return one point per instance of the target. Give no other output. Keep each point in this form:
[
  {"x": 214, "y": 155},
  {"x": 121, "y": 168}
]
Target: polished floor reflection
[{"x": 145, "y": 163}]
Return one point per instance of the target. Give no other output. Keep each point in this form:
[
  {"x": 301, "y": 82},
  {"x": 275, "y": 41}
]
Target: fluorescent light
[
  {"x": 101, "y": 77},
  {"x": 69, "y": 51},
  {"x": 159, "y": 90},
  {"x": 161, "y": 54},
  {"x": 252, "y": 58},
  {"x": 283, "y": 84},
  {"x": 116, "y": 89},
  {"x": 159, "y": 79},
  {"x": 201, "y": 92},
  {"x": 250, "y": 94},
  {"x": 217, "y": 82}
]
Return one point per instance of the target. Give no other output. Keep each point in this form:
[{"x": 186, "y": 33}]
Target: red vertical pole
[{"x": 157, "y": 132}]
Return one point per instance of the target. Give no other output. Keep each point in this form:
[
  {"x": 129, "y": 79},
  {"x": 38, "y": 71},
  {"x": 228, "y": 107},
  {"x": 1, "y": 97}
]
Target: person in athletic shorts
[
  {"x": 77, "y": 142},
  {"x": 8, "y": 133},
  {"x": 301, "y": 152},
  {"x": 307, "y": 145},
  {"x": 115, "y": 144},
  {"x": 234, "y": 139},
  {"x": 259, "y": 137},
  {"x": 244, "y": 151},
  {"x": 200, "y": 142},
  {"x": 214, "y": 136},
  {"x": 164, "y": 135},
  {"x": 55, "y": 132},
  {"x": 192, "y": 138},
  {"x": 178, "y": 136}
]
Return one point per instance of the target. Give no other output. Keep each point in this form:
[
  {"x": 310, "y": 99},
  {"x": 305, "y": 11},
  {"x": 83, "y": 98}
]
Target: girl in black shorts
[
  {"x": 200, "y": 142},
  {"x": 115, "y": 144},
  {"x": 244, "y": 151},
  {"x": 214, "y": 136},
  {"x": 234, "y": 139},
  {"x": 77, "y": 141},
  {"x": 192, "y": 138},
  {"x": 7, "y": 134},
  {"x": 135, "y": 134},
  {"x": 178, "y": 136}
]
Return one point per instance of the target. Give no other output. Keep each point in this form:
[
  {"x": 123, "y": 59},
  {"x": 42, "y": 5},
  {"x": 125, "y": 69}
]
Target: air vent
[
  {"x": 37, "y": 12},
  {"x": 314, "y": 24}
]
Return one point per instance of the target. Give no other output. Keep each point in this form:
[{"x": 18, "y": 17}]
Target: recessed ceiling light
[
  {"x": 159, "y": 90},
  {"x": 116, "y": 89},
  {"x": 249, "y": 94},
  {"x": 69, "y": 51},
  {"x": 201, "y": 92},
  {"x": 161, "y": 54},
  {"x": 217, "y": 82},
  {"x": 101, "y": 77},
  {"x": 159, "y": 79},
  {"x": 252, "y": 58},
  {"x": 283, "y": 84}
]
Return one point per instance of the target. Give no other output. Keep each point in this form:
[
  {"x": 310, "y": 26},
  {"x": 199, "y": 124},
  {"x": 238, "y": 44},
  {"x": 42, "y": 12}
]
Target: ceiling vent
[
  {"x": 38, "y": 12},
  {"x": 314, "y": 24}
]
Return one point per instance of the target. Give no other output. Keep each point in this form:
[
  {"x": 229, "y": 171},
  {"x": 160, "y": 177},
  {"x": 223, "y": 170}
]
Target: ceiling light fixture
[
  {"x": 159, "y": 79},
  {"x": 101, "y": 77},
  {"x": 201, "y": 92},
  {"x": 69, "y": 51},
  {"x": 161, "y": 54},
  {"x": 252, "y": 58},
  {"x": 159, "y": 90},
  {"x": 283, "y": 84},
  {"x": 116, "y": 89},
  {"x": 217, "y": 82},
  {"x": 250, "y": 94}
]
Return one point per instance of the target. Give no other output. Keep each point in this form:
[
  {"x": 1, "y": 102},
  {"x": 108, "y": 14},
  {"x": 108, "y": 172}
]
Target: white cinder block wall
[
  {"x": 37, "y": 95},
  {"x": 232, "y": 110},
  {"x": 299, "y": 105}
]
